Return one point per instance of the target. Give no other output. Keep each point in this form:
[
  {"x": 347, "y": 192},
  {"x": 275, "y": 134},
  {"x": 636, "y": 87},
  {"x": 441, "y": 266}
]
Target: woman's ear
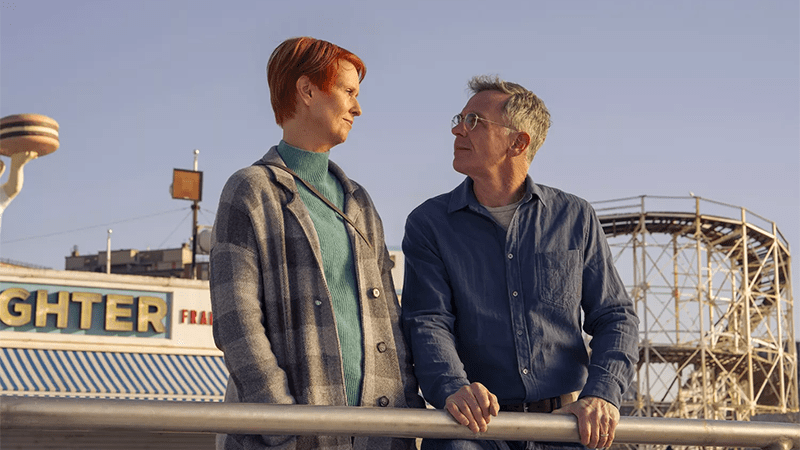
[{"x": 305, "y": 89}]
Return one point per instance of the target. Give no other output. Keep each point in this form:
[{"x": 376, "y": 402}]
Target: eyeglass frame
[{"x": 458, "y": 119}]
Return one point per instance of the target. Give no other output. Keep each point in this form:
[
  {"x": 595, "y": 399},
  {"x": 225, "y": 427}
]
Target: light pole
[
  {"x": 195, "y": 207},
  {"x": 188, "y": 185},
  {"x": 108, "y": 252}
]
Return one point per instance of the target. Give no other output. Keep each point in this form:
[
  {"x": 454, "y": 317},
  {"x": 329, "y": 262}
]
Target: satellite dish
[{"x": 204, "y": 241}]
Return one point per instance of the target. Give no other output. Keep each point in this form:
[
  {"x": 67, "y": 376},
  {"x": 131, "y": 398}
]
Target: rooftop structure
[{"x": 173, "y": 262}]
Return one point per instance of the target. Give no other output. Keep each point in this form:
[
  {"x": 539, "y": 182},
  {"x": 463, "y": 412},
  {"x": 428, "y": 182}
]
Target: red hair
[{"x": 314, "y": 58}]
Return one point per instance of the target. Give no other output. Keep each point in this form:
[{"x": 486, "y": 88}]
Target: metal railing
[{"x": 164, "y": 416}]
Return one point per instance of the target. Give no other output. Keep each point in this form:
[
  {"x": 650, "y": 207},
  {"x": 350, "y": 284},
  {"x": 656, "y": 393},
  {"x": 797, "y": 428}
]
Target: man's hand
[
  {"x": 597, "y": 420},
  {"x": 473, "y": 406}
]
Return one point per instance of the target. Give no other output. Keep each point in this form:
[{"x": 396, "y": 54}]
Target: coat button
[
  {"x": 375, "y": 292},
  {"x": 383, "y": 401},
  {"x": 382, "y": 347}
]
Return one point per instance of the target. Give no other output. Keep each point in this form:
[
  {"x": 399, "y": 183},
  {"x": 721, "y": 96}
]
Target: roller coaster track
[
  {"x": 726, "y": 236},
  {"x": 740, "y": 351}
]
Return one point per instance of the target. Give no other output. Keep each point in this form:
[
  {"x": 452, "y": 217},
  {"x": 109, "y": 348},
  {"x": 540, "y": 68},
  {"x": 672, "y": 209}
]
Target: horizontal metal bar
[{"x": 247, "y": 418}]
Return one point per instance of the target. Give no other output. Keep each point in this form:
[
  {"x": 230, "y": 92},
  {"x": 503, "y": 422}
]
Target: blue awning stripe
[
  {"x": 43, "y": 366},
  {"x": 68, "y": 371},
  {"x": 205, "y": 376},
  {"x": 182, "y": 376},
  {"x": 129, "y": 365},
  {"x": 118, "y": 366},
  {"x": 24, "y": 373},
  {"x": 53, "y": 367},
  {"x": 9, "y": 375},
  {"x": 196, "y": 374},
  {"x": 94, "y": 372},
  {"x": 145, "y": 370},
  {"x": 167, "y": 372},
  {"x": 112, "y": 375}
]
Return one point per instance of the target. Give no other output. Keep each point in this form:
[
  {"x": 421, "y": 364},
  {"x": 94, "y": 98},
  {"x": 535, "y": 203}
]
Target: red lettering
[{"x": 194, "y": 317}]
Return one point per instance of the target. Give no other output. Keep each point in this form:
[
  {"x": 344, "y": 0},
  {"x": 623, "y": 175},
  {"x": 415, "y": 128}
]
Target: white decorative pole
[
  {"x": 23, "y": 138},
  {"x": 108, "y": 252}
]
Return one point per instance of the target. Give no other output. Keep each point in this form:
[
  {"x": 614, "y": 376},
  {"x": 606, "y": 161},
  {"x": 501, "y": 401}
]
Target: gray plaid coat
[{"x": 273, "y": 317}]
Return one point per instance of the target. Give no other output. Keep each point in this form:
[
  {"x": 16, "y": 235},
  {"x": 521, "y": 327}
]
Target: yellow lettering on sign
[
  {"x": 87, "y": 301},
  {"x": 147, "y": 316},
  {"x": 21, "y": 314},
  {"x": 19, "y": 308},
  {"x": 60, "y": 309},
  {"x": 117, "y": 310}
]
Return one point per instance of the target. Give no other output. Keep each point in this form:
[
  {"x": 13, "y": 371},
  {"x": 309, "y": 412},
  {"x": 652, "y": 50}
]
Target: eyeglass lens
[{"x": 471, "y": 120}]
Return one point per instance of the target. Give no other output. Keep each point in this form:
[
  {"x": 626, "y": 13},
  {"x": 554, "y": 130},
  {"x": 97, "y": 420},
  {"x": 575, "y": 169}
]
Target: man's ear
[
  {"x": 305, "y": 89},
  {"x": 521, "y": 143}
]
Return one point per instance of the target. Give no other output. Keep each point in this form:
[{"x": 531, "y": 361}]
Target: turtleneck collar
[{"x": 310, "y": 166}]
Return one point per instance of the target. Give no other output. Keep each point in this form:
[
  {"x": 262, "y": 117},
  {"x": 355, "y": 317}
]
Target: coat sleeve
[{"x": 237, "y": 301}]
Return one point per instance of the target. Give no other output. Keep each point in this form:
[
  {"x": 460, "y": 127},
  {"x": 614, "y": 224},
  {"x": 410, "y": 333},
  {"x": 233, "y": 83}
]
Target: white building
[{"x": 95, "y": 335}]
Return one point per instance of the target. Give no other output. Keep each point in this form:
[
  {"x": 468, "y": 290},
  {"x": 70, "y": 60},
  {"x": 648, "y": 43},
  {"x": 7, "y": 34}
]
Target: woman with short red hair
[{"x": 304, "y": 304}]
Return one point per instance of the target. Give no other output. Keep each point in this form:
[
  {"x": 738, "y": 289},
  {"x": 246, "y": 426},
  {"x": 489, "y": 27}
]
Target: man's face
[
  {"x": 480, "y": 151},
  {"x": 333, "y": 112}
]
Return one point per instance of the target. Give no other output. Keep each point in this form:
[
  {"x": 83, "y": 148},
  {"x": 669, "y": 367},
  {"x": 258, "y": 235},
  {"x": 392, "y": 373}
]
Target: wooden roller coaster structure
[{"x": 714, "y": 298}]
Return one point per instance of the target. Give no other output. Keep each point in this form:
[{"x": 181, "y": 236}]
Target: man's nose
[
  {"x": 460, "y": 129},
  {"x": 356, "y": 110}
]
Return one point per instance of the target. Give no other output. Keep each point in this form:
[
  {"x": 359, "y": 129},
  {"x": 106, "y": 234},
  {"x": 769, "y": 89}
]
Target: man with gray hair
[{"x": 501, "y": 275}]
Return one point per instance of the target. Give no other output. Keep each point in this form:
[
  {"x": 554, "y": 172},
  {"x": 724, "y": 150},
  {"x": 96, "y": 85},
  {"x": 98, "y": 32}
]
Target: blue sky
[{"x": 647, "y": 97}]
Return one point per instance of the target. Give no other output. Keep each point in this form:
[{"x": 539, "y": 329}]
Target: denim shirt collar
[{"x": 463, "y": 196}]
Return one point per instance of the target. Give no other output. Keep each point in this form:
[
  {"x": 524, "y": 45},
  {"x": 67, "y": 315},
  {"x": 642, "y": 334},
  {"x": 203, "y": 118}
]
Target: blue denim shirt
[{"x": 505, "y": 307}]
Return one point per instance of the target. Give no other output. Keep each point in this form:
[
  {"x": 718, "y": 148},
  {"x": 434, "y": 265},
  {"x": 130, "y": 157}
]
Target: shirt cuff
[{"x": 606, "y": 388}]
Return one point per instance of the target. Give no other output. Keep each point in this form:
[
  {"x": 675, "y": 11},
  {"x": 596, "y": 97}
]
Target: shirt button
[
  {"x": 510, "y": 255},
  {"x": 519, "y": 333},
  {"x": 525, "y": 371},
  {"x": 317, "y": 302},
  {"x": 383, "y": 401},
  {"x": 515, "y": 293},
  {"x": 375, "y": 292},
  {"x": 382, "y": 347}
]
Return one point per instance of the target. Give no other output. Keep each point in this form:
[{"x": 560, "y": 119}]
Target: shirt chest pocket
[{"x": 558, "y": 277}]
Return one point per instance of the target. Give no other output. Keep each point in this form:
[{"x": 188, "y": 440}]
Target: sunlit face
[
  {"x": 480, "y": 151},
  {"x": 334, "y": 112}
]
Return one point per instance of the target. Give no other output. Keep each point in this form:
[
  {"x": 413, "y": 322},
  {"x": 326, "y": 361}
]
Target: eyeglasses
[{"x": 471, "y": 121}]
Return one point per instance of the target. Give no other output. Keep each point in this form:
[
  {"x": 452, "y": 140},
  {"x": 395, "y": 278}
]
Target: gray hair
[{"x": 524, "y": 110}]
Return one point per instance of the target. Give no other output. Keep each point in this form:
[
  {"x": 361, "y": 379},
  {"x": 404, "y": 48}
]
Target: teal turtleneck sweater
[{"x": 337, "y": 257}]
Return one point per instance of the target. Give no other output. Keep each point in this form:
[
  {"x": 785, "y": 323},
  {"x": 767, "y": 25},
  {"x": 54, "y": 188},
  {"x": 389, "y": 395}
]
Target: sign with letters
[{"x": 82, "y": 310}]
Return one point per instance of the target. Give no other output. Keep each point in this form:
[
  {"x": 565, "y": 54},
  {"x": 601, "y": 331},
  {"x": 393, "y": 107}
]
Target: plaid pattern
[{"x": 273, "y": 316}]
